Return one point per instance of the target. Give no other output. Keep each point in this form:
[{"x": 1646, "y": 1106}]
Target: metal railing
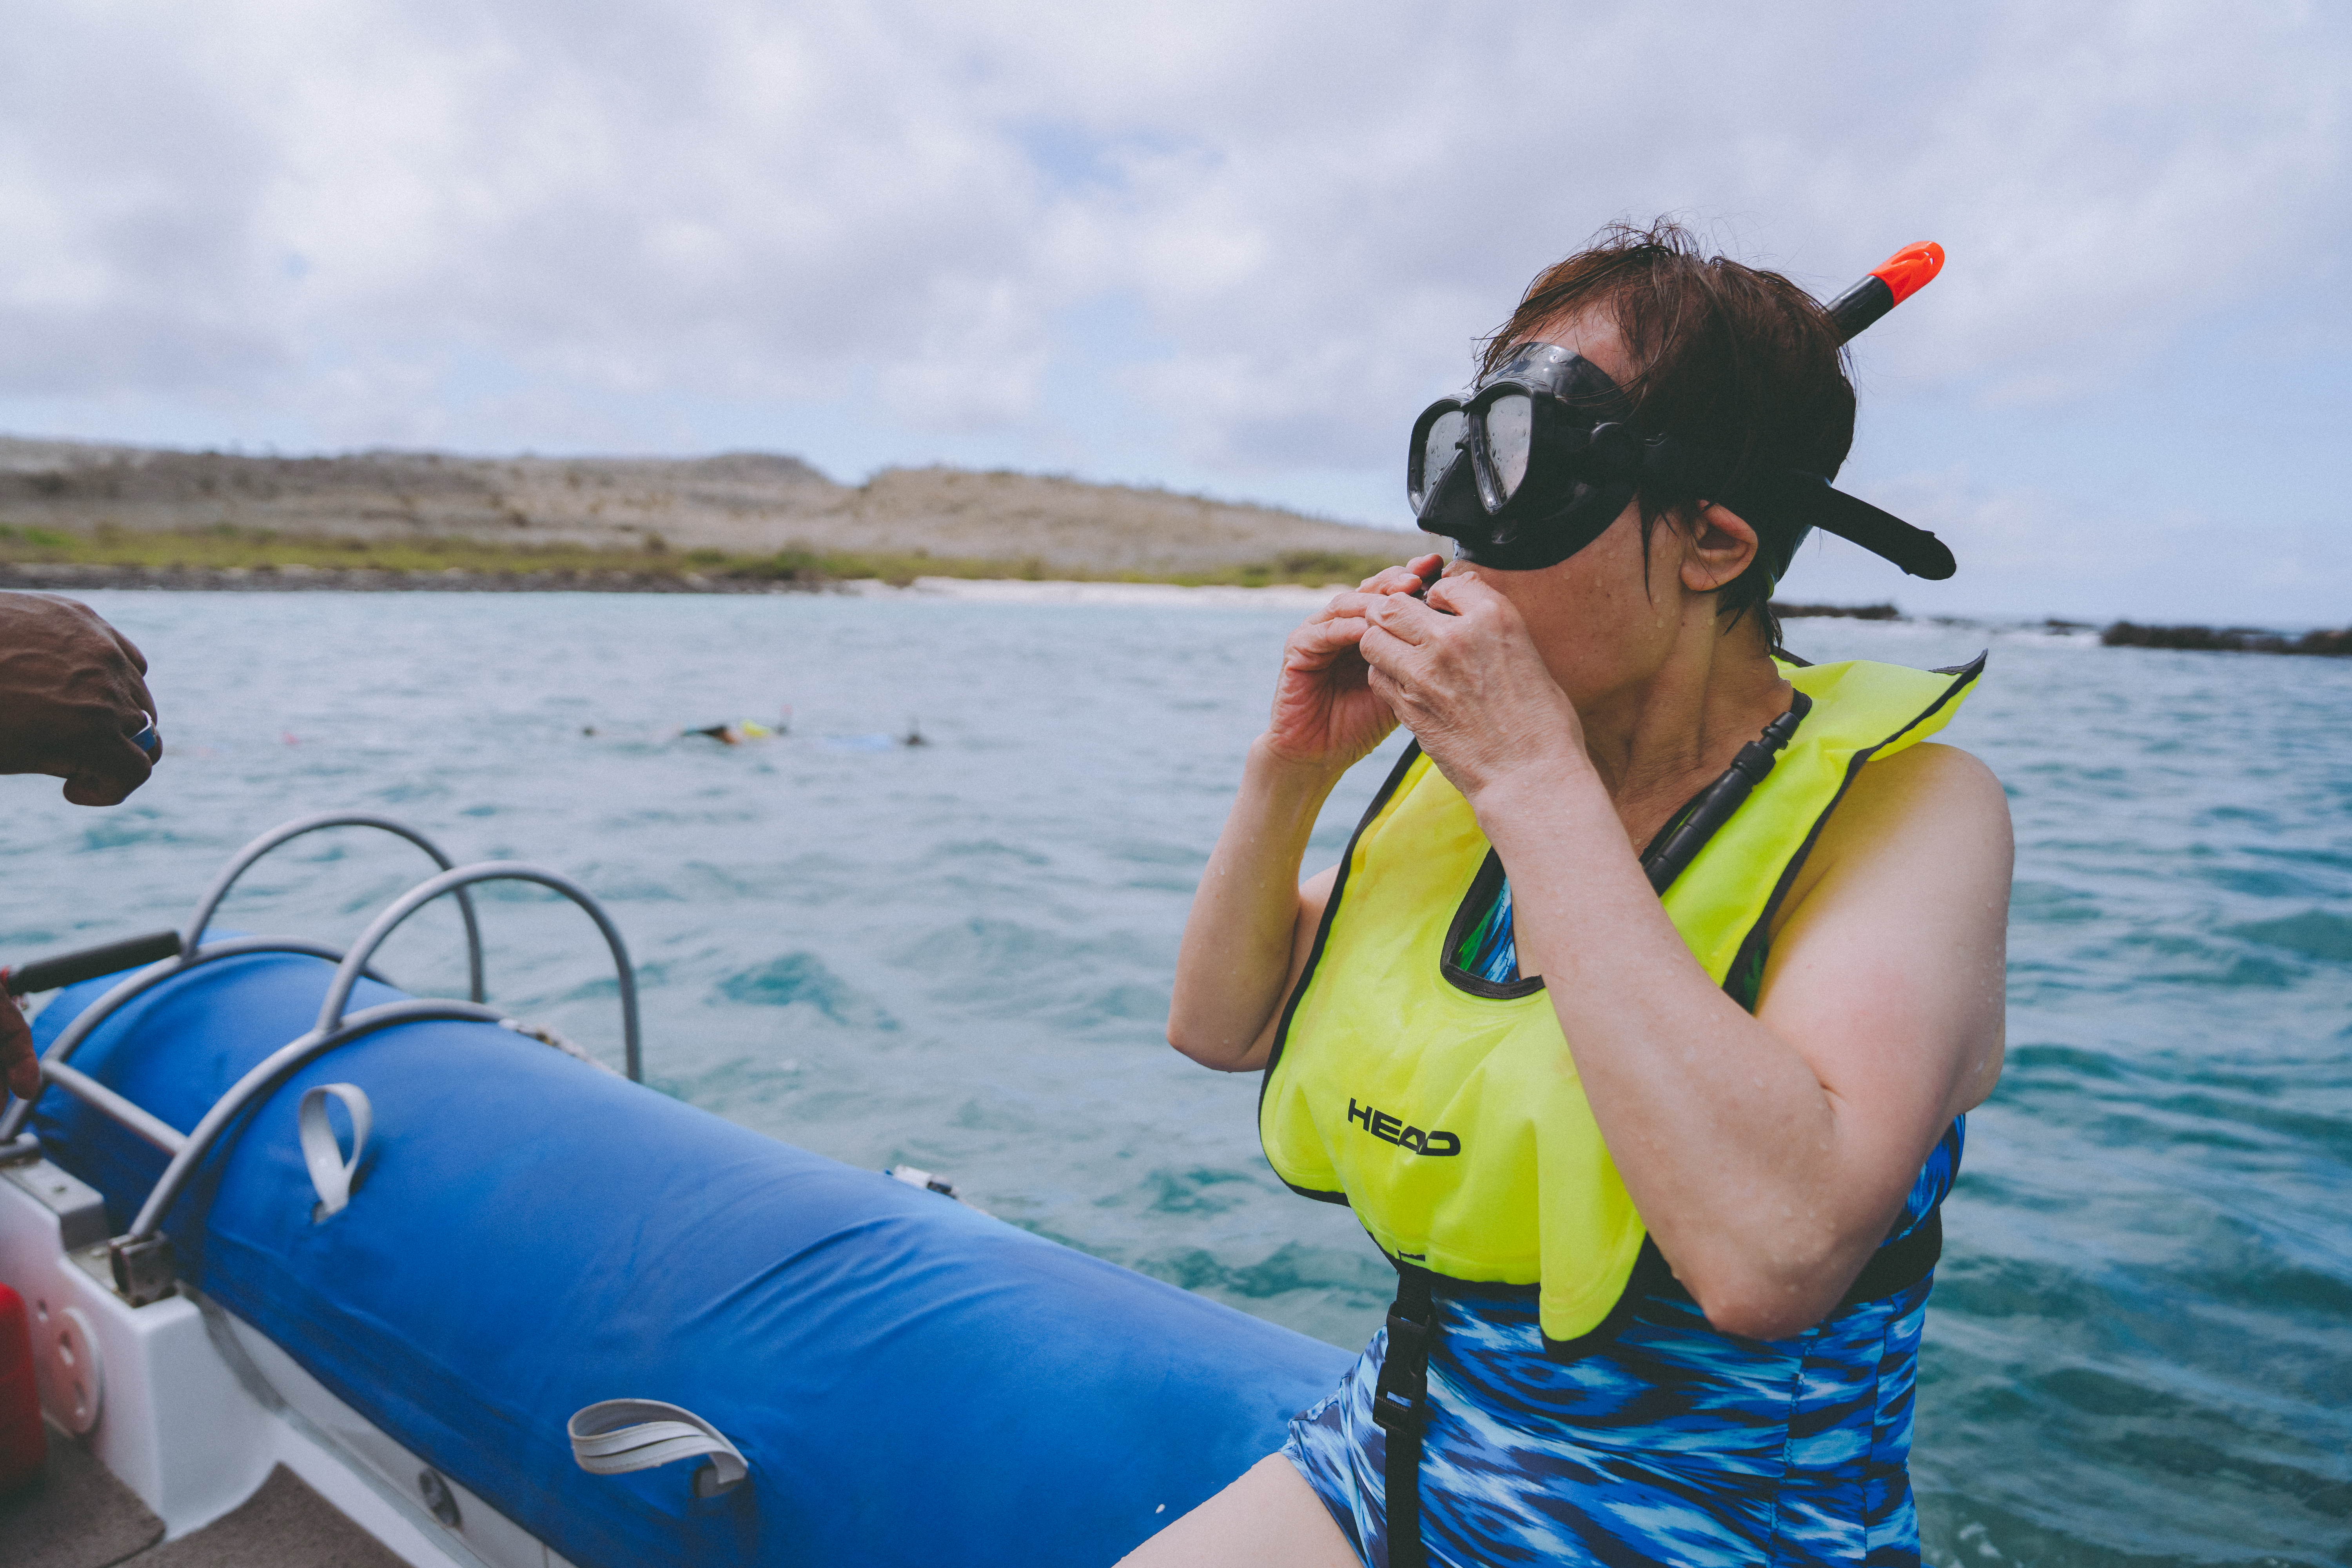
[
  {"x": 142, "y": 1256},
  {"x": 130, "y": 989},
  {"x": 193, "y": 936},
  {"x": 193, "y": 951},
  {"x": 457, "y": 880}
]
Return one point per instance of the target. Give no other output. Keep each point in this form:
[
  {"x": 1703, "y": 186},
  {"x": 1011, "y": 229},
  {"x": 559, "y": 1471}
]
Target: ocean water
[{"x": 957, "y": 956}]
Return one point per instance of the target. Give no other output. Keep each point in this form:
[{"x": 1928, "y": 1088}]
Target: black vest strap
[
  {"x": 1897, "y": 1266},
  {"x": 1401, "y": 1410}
]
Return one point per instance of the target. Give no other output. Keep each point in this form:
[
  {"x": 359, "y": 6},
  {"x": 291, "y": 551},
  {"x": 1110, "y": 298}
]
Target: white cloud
[{"x": 332, "y": 219}]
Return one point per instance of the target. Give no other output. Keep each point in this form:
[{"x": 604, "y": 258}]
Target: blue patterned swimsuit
[{"x": 1672, "y": 1443}]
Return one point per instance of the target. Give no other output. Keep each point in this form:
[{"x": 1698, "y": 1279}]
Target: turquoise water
[{"x": 957, "y": 955}]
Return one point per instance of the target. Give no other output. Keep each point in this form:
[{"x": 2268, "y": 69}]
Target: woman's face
[{"x": 1599, "y": 625}]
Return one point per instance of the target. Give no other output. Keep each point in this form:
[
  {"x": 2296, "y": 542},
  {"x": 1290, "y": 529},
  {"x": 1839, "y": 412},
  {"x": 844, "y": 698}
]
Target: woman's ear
[{"x": 1718, "y": 549}]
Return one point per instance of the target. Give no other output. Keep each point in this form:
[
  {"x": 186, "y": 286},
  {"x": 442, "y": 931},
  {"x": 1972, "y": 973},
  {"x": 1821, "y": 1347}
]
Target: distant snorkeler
[
  {"x": 1638, "y": 1022},
  {"x": 734, "y": 734},
  {"x": 743, "y": 731}
]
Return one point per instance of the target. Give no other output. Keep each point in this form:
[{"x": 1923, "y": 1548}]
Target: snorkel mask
[{"x": 1542, "y": 456}]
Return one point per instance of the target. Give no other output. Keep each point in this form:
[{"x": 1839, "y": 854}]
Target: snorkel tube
[{"x": 1886, "y": 286}]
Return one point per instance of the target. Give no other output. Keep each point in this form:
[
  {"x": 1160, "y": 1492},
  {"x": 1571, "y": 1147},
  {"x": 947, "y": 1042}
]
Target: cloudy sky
[{"x": 1230, "y": 248}]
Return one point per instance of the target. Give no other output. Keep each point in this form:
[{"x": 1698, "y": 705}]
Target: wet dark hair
[{"x": 1731, "y": 356}]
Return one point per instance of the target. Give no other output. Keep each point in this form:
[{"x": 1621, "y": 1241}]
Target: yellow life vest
[{"x": 1445, "y": 1108}]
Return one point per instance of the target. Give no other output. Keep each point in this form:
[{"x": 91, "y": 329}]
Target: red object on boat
[{"x": 24, "y": 1446}]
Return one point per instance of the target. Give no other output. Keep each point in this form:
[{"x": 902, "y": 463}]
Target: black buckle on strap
[
  {"x": 1410, "y": 1337},
  {"x": 1396, "y": 1413},
  {"x": 1401, "y": 1401}
]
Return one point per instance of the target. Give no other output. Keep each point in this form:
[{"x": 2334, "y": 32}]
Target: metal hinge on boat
[{"x": 143, "y": 1269}]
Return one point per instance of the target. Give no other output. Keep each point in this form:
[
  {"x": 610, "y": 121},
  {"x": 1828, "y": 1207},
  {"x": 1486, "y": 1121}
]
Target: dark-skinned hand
[
  {"x": 72, "y": 693},
  {"x": 1461, "y": 672},
  {"x": 19, "y": 1064}
]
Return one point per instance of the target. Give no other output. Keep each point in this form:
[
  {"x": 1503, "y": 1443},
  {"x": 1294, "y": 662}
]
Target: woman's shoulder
[
  {"x": 1931, "y": 819},
  {"x": 1930, "y": 776},
  {"x": 1929, "y": 804}
]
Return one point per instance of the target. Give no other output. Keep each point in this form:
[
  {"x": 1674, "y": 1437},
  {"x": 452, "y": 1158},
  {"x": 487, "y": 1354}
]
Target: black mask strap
[{"x": 1614, "y": 465}]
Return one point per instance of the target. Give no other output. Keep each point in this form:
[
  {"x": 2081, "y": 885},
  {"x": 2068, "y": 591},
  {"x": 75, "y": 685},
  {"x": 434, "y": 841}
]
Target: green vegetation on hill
[{"x": 226, "y": 547}]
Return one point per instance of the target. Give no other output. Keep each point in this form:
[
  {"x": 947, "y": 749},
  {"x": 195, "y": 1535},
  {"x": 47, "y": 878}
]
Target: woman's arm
[
  {"x": 1770, "y": 1153},
  {"x": 1252, "y": 924}
]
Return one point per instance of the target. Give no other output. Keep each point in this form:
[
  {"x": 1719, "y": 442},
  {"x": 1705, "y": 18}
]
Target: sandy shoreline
[{"x": 1021, "y": 591}]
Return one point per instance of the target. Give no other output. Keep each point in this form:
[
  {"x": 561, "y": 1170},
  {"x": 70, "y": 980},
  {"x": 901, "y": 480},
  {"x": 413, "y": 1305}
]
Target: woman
[{"x": 1660, "y": 1176}]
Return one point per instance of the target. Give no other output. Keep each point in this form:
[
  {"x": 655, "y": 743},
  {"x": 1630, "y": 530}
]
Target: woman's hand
[
  {"x": 1462, "y": 673},
  {"x": 1326, "y": 715}
]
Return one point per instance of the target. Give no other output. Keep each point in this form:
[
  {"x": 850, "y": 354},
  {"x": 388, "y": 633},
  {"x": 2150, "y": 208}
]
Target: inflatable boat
[{"x": 500, "y": 1305}]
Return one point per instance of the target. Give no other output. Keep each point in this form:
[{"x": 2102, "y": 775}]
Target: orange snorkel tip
[
  {"x": 1886, "y": 286},
  {"x": 1910, "y": 270}
]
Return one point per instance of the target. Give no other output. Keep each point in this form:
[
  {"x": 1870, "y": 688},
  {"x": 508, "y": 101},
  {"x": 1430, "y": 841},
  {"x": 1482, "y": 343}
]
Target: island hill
[
  {"x": 86, "y": 515},
  {"x": 82, "y": 514}
]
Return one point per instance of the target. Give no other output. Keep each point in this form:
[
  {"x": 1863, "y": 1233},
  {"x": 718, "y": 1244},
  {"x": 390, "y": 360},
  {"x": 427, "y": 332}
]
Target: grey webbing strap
[
  {"x": 614, "y": 1437},
  {"x": 330, "y": 1174},
  {"x": 1401, "y": 1410}
]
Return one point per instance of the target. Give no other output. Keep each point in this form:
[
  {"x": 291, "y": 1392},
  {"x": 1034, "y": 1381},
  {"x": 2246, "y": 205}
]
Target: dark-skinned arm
[{"x": 72, "y": 693}]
